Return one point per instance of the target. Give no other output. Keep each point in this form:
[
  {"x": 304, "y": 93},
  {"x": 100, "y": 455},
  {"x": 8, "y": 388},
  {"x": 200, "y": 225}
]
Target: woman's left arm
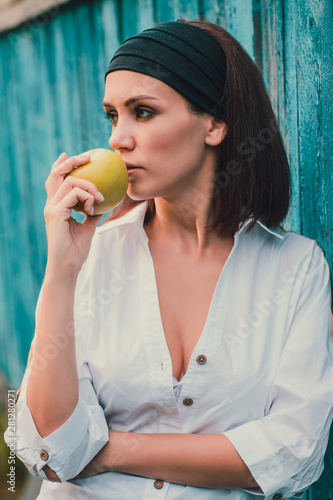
[{"x": 203, "y": 460}]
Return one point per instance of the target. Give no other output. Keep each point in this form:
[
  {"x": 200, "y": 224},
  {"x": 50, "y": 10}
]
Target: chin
[
  {"x": 134, "y": 197},
  {"x": 137, "y": 196}
]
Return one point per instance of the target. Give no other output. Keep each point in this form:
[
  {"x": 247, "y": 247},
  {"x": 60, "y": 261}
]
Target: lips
[
  {"x": 133, "y": 171},
  {"x": 131, "y": 167}
]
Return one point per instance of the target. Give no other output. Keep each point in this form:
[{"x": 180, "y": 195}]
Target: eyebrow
[{"x": 131, "y": 100}]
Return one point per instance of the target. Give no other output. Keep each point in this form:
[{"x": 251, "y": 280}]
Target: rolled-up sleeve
[
  {"x": 68, "y": 449},
  {"x": 285, "y": 449},
  {"x": 73, "y": 445}
]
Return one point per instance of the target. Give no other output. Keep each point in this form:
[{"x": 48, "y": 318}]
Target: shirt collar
[
  {"x": 276, "y": 232},
  {"x": 137, "y": 214}
]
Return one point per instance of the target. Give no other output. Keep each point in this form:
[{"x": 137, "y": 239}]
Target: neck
[
  {"x": 186, "y": 227},
  {"x": 183, "y": 218}
]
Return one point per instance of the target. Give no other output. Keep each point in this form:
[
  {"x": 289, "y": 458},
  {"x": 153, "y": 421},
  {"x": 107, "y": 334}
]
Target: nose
[{"x": 121, "y": 136}]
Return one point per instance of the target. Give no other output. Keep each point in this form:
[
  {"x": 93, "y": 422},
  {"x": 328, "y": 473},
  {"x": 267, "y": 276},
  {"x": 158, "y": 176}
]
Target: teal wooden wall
[{"x": 51, "y": 88}]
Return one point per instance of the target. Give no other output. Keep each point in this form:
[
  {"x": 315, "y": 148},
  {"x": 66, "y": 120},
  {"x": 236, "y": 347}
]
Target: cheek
[{"x": 180, "y": 140}]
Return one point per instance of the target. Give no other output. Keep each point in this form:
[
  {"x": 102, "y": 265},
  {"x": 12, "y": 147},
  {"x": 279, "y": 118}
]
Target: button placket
[{"x": 200, "y": 365}]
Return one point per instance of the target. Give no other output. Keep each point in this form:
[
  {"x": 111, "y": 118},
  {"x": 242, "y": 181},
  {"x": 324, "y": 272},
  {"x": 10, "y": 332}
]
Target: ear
[{"x": 217, "y": 131}]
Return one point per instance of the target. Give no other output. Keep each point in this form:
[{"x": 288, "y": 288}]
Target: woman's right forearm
[{"x": 53, "y": 387}]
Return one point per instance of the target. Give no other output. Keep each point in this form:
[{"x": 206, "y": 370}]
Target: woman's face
[{"x": 160, "y": 140}]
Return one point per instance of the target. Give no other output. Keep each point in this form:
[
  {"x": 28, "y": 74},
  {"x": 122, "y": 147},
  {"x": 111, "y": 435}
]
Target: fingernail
[
  {"x": 92, "y": 210},
  {"x": 100, "y": 197}
]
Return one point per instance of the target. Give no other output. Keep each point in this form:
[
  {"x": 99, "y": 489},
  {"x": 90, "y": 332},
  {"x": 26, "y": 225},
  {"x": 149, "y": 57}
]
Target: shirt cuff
[
  {"x": 64, "y": 449},
  {"x": 262, "y": 460}
]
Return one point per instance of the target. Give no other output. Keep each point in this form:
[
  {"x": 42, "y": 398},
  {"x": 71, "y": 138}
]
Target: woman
[{"x": 182, "y": 348}]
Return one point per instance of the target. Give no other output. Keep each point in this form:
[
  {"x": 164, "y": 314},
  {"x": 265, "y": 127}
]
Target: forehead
[{"x": 123, "y": 84}]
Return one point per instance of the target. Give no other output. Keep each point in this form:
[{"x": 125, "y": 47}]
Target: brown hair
[{"x": 252, "y": 178}]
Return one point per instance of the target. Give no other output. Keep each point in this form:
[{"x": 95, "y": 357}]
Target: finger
[
  {"x": 71, "y": 183},
  {"x": 73, "y": 197},
  {"x": 60, "y": 169},
  {"x": 50, "y": 186},
  {"x": 68, "y": 165},
  {"x": 60, "y": 159}
]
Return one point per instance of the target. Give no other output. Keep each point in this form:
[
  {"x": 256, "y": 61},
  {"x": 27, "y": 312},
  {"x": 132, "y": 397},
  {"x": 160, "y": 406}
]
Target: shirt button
[
  {"x": 277, "y": 496},
  {"x": 44, "y": 455},
  {"x": 201, "y": 359},
  {"x": 187, "y": 401},
  {"x": 158, "y": 484}
]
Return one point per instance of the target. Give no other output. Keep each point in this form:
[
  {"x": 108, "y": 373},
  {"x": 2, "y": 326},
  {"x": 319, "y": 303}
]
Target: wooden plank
[
  {"x": 188, "y": 10},
  {"x": 57, "y": 101},
  {"x": 211, "y": 10},
  {"x": 35, "y": 137},
  {"x": 102, "y": 126},
  {"x": 48, "y": 145},
  {"x": 289, "y": 116},
  {"x": 27, "y": 12},
  {"x": 279, "y": 72},
  {"x": 236, "y": 17},
  {"x": 166, "y": 10},
  {"x": 18, "y": 120},
  {"x": 91, "y": 82},
  {"x": 110, "y": 25},
  {"x": 17, "y": 279},
  {"x": 146, "y": 14},
  {"x": 110, "y": 28},
  {"x": 314, "y": 55},
  {"x": 10, "y": 341},
  {"x": 129, "y": 18},
  {"x": 313, "y": 51}
]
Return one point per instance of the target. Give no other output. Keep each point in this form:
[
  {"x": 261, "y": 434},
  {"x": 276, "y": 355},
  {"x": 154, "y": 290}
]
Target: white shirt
[{"x": 261, "y": 372}]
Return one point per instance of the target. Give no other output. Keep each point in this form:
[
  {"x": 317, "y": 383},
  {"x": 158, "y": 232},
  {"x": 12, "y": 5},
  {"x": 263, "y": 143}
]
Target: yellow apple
[{"x": 109, "y": 174}]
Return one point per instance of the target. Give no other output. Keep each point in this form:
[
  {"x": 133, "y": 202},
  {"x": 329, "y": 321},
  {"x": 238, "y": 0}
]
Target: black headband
[{"x": 181, "y": 55}]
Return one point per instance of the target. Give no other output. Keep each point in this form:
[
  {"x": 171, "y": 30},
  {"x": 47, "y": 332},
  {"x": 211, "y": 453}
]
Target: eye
[
  {"x": 143, "y": 112},
  {"x": 111, "y": 116}
]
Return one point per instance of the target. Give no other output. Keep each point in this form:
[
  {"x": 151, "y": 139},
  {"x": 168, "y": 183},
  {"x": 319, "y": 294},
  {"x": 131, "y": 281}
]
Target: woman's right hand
[{"x": 68, "y": 240}]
